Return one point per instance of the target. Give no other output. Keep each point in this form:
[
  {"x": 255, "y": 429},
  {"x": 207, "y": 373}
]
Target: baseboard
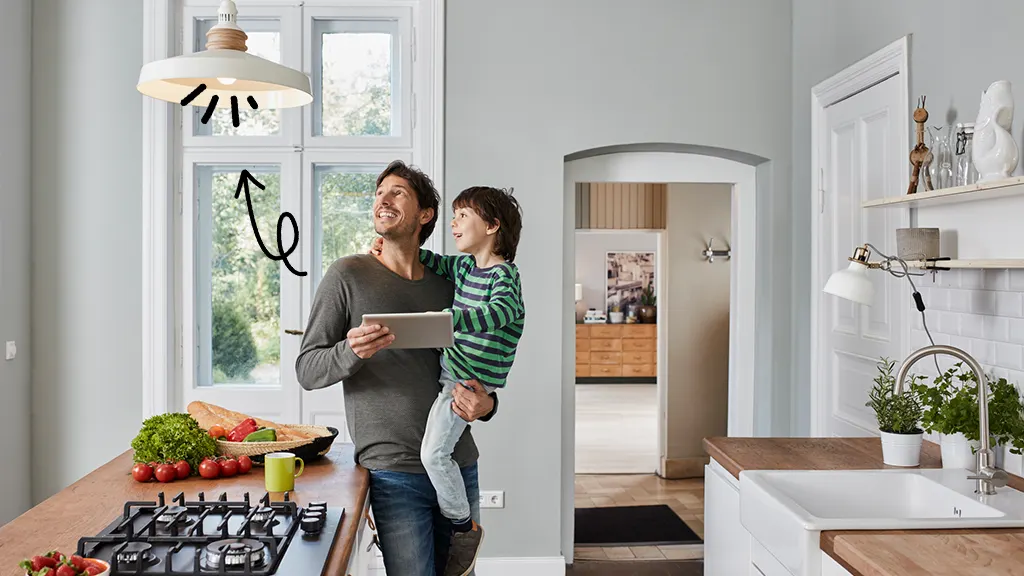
[
  {"x": 679, "y": 468},
  {"x": 538, "y": 566}
]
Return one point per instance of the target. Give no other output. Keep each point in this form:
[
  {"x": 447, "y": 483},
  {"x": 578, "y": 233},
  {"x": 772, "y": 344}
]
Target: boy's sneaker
[{"x": 462, "y": 553}]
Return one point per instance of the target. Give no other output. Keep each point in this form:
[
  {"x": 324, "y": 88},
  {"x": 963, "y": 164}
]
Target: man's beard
[{"x": 402, "y": 232}]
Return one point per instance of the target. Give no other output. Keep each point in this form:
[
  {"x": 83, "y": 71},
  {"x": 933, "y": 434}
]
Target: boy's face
[{"x": 470, "y": 231}]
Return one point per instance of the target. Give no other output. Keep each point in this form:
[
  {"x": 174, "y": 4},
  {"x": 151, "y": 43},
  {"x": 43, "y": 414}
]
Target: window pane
[
  {"x": 264, "y": 40},
  {"x": 356, "y": 83},
  {"x": 240, "y": 295},
  {"x": 346, "y": 196}
]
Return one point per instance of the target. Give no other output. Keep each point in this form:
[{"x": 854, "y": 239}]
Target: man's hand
[
  {"x": 471, "y": 404},
  {"x": 377, "y": 246},
  {"x": 365, "y": 341}
]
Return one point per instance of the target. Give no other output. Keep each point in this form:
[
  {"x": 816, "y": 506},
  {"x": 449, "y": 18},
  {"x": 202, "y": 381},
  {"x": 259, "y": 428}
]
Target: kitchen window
[{"x": 239, "y": 315}]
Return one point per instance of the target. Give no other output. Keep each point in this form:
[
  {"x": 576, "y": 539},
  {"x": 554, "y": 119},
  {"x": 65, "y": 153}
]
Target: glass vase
[{"x": 943, "y": 168}]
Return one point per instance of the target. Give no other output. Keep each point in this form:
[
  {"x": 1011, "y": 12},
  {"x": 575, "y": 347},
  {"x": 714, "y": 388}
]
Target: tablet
[{"x": 417, "y": 329}]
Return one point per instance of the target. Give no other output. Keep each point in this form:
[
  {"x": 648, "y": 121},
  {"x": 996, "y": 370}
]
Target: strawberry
[
  {"x": 93, "y": 570},
  {"x": 65, "y": 570},
  {"x": 78, "y": 562}
]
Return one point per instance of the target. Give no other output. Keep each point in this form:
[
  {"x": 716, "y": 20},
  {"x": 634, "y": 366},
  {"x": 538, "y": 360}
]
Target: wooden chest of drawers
[{"x": 626, "y": 351}]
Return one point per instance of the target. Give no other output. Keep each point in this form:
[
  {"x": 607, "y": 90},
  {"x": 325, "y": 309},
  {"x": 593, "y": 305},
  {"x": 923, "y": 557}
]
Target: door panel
[{"x": 863, "y": 161}]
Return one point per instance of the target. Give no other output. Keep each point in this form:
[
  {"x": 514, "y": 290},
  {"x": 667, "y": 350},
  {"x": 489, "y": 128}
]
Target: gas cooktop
[{"x": 219, "y": 536}]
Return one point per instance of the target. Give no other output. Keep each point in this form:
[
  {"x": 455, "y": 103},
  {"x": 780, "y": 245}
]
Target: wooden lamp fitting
[{"x": 226, "y": 35}]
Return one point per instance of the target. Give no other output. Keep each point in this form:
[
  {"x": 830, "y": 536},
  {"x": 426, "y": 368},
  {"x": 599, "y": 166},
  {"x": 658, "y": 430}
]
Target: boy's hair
[
  {"x": 495, "y": 206},
  {"x": 422, "y": 186}
]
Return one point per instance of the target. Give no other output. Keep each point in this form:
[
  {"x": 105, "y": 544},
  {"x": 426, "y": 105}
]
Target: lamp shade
[
  {"x": 579, "y": 292},
  {"x": 225, "y": 73},
  {"x": 852, "y": 284}
]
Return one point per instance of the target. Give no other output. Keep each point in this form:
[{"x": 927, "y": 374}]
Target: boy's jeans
[
  {"x": 414, "y": 536},
  {"x": 444, "y": 428}
]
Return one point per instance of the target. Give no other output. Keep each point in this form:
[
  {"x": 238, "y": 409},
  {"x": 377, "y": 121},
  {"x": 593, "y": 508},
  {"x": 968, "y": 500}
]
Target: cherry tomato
[
  {"x": 166, "y": 473},
  {"x": 209, "y": 469},
  {"x": 217, "y": 431},
  {"x": 182, "y": 469},
  {"x": 229, "y": 468},
  {"x": 244, "y": 464},
  {"x": 142, "y": 472}
]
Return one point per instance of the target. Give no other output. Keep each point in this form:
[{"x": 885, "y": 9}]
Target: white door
[{"x": 862, "y": 159}]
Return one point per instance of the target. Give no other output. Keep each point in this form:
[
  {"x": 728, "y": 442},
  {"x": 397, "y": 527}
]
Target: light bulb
[{"x": 226, "y": 81}]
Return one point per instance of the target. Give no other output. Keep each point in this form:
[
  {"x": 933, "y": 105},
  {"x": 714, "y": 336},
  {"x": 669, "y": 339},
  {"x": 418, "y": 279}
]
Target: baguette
[{"x": 210, "y": 415}]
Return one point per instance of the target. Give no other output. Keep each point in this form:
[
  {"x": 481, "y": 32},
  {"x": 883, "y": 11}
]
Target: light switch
[{"x": 12, "y": 350}]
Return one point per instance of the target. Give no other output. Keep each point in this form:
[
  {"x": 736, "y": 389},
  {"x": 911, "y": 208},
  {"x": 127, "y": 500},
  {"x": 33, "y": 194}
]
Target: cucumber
[{"x": 262, "y": 435}]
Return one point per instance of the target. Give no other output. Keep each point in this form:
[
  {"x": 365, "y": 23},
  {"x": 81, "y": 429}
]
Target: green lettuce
[{"x": 173, "y": 437}]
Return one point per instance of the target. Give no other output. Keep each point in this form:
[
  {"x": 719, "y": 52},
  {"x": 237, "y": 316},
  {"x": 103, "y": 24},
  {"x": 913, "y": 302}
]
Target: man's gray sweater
[{"x": 388, "y": 396}]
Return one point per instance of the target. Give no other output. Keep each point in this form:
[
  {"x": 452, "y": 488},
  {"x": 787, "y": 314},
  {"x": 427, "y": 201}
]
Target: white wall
[
  {"x": 592, "y": 249},
  {"x": 531, "y": 81},
  {"x": 86, "y": 225},
  {"x": 697, "y": 311},
  {"x": 956, "y": 50},
  {"x": 15, "y": 255}
]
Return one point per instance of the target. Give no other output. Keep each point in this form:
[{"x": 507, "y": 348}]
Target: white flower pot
[
  {"x": 901, "y": 449},
  {"x": 957, "y": 451}
]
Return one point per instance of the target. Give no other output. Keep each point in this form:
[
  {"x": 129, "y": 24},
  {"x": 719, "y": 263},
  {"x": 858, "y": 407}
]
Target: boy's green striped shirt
[{"x": 488, "y": 315}]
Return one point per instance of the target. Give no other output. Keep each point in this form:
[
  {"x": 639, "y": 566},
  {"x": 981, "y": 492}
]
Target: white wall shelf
[
  {"x": 981, "y": 191},
  {"x": 971, "y": 264}
]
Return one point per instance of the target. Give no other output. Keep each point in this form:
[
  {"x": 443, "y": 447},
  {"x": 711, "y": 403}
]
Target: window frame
[{"x": 168, "y": 140}]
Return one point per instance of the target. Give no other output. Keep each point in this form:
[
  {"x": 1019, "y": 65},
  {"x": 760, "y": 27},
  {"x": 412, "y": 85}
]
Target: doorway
[
  {"x": 737, "y": 184},
  {"x": 860, "y": 128}
]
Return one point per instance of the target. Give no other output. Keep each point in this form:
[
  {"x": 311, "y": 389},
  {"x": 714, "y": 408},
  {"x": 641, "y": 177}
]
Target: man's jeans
[{"x": 414, "y": 535}]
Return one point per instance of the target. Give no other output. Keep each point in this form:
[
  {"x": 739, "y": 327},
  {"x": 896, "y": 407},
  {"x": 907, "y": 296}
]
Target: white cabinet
[
  {"x": 365, "y": 559},
  {"x": 830, "y": 567},
  {"x": 726, "y": 542}
]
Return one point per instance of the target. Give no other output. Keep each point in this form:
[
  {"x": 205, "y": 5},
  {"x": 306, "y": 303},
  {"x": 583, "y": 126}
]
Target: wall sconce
[{"x": 853, "y": 283}]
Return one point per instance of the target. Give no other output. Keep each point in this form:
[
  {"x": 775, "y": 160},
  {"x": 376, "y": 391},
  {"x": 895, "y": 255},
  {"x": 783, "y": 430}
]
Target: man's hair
[
  {"x": 422, "y": 186},
  {"x": 495, "y": 206}
]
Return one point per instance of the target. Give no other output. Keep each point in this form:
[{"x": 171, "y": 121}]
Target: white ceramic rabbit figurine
[{"x": 995, "y": 152}]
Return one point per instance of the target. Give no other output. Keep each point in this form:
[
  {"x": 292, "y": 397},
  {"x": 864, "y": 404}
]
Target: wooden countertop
[
  {"x": 972, "y": 552},
  {"x": 88, "y": 506}
]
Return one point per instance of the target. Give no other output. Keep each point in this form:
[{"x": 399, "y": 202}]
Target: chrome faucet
[{"x": 988, "y": 476}]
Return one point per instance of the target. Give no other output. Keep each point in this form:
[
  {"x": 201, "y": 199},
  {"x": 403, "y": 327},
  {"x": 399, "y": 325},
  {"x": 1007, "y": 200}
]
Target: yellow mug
[{"x": 279, "y": 471}]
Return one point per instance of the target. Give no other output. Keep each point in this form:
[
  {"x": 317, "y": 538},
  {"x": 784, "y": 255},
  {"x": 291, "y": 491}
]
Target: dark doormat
[{"x": 654, "y": 525}]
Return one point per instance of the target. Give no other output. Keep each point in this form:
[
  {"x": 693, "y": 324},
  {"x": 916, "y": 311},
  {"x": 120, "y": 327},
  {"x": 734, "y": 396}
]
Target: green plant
[
  {"x": 896, "y": 414},
  {"x": 952, "y": 407},
  {"x": 647, "y": 297},
  {"x": 234, "y": 349},
  {"x": 172, "y": 437}
]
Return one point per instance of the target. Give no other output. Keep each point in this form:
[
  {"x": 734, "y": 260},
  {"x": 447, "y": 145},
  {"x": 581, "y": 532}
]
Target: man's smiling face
[{"x": 396, "y": 211}]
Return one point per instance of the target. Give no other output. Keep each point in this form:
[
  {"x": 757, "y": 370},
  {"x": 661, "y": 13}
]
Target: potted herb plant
[
  {"x": 898, "y": 418},
  {"x": 648, "y": 310},
  {"x": 951, "y": 410}
]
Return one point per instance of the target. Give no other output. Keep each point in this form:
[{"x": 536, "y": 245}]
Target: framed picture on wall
[{"x": 629, "y": 274}]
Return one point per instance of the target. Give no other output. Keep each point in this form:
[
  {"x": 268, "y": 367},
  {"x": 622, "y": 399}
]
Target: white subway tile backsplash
[
  {"x": 984, "y": 351},
  {"x": 995, "y": 279},
  {"x": 972, "y": 325},
  {"x": 973, "y": 280},
  {"x": 982, "y": 302},
  {"x": 995, "y": 328},
  {"x": 1009, "y": 304},
  {"x": 1016, "y": 280},
  {"x": 960, "y": 301},
  {"x": 1009, "y": 356},
  {"x": 949, "y": 323},
  {"x": 1016, "y": 330}
]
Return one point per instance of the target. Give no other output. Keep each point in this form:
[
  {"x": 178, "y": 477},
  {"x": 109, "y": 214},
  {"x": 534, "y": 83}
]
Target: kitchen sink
[{"x": 786, "y": 510}]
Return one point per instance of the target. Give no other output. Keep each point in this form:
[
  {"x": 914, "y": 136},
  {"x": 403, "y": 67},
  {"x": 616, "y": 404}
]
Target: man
[{"x": 388, "y": 393}]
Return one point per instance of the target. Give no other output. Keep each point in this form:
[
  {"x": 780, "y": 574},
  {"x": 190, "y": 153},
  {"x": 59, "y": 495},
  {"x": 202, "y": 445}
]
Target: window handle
[{"x": 294, "y": 332}]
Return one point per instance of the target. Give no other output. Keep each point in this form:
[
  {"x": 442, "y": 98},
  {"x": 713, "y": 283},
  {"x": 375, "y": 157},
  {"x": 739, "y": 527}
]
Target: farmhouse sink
[{"x": 786, "y": 510}]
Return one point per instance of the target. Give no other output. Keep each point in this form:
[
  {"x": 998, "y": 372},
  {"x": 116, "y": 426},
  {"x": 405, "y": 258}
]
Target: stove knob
[
  {"x": 310, "y": 524},
  {"x": 318, "y": 506}
]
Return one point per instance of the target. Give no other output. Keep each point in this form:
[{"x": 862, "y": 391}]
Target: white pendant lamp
[{"x": 225, "y": 74}]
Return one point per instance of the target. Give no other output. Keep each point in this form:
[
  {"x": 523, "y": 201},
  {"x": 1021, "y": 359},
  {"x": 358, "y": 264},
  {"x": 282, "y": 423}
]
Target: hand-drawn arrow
[{"x": 243, "y": 182}]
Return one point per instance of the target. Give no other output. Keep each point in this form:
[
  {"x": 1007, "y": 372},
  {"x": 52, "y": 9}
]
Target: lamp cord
[{"x": 905, "y": 273}]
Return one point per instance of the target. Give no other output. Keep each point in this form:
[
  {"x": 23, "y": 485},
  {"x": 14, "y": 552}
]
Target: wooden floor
[
  {"x": 685, "y": 497},
  {"x": 616, "y": 429}
]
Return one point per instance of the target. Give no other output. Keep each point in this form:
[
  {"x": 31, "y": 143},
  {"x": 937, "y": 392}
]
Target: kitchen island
[
  {"x": 89, "y": 505},
  {"x": 961, "y": 552}
]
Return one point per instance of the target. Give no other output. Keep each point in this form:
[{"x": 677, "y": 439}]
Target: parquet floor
[{"x": 685, "y": 497}]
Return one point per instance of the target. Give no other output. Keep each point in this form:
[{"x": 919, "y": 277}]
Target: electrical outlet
[
  {"x": 12, "y": 350},
  {"x": 492, "y": 499}
]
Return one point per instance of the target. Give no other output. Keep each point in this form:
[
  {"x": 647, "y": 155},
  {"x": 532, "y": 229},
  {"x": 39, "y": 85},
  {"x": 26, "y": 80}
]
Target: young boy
[{"x": 488, "y": 316}]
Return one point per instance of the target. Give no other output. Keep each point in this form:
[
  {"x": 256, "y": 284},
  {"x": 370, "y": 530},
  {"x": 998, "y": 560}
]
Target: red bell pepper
[{"x": 246, "y": 427}]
